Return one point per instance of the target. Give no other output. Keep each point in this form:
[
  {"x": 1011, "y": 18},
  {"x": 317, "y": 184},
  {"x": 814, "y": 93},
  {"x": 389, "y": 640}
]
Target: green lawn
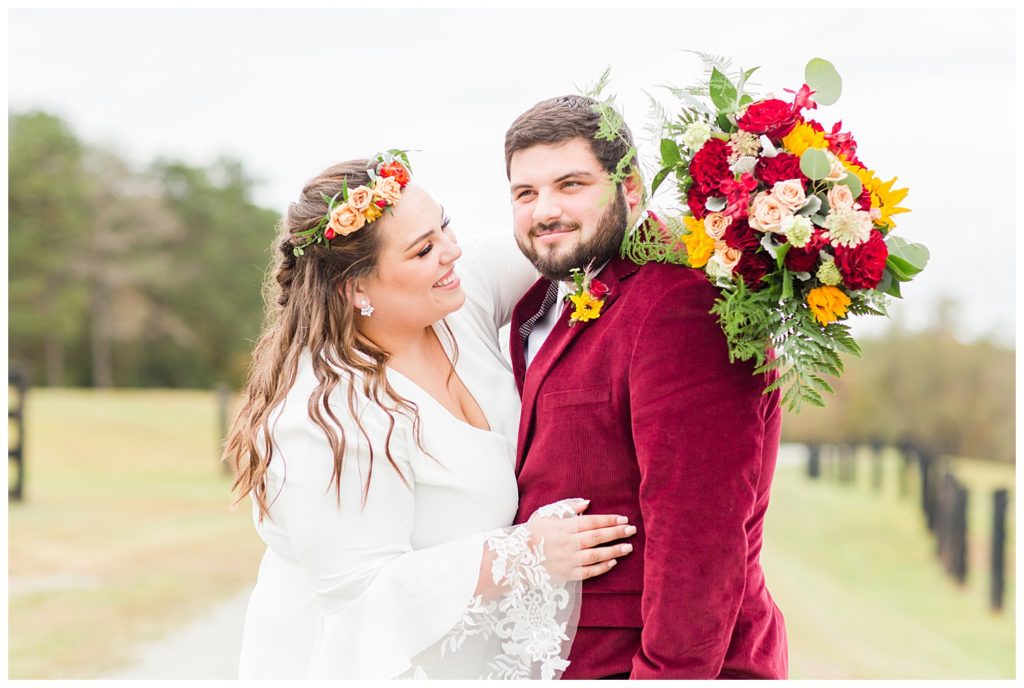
[
  {"x": 864, "y": 596},
  {"x": 126, "y": 532}
]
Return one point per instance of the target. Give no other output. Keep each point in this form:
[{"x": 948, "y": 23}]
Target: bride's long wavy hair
[{"x": 308, "y": 308}]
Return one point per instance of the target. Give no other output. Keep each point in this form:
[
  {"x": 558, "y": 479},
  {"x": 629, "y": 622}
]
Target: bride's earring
[{"x": 367, "y": 310}]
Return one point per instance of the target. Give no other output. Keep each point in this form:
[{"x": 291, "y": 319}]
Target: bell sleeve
[{"x": 388, "y": 610}]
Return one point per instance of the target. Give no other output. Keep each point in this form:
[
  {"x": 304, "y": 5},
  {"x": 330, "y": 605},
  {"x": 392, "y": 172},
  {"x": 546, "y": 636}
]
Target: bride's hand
[{"x": 574, "y": 545}]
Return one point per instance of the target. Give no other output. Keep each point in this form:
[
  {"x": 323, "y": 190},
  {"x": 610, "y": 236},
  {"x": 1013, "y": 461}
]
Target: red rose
[
  {"x": 773, "y": 117},
  {"x": 396, "y": 171},
  {"x": 695, "y": 200},
  {"x": 778, "y": 169},
  {"x": 862, "y": 265},
  {"x": 710, "y": 165},
  {"x": 329, "y": 233},
  {"x": 752, "y": 267},
  {"x": 804, "y": 259},
  {"x": 598, "y": 289},
  {"x": 740, "y": 235}
]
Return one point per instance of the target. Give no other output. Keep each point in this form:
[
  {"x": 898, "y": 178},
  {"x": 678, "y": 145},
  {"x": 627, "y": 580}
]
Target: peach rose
[
  {"x": 360, "y": 198},
  {"x": 790, "y": 193},
  {"x": 387, "y": 189},
  {"x": 837, "y": 171},
  {"x": 715, "y": 225},
  {"x": 840, "y": 197},
  {"x": 728, "y": 256},
  {"x": 346, "y": 219},
  {"x": 767, "y": 213}
]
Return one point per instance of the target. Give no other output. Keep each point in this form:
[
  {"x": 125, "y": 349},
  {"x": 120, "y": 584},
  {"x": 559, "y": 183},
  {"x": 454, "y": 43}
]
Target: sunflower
[
  {"x": 802, "y": 137},
  {"x": 883, "y": 197}
]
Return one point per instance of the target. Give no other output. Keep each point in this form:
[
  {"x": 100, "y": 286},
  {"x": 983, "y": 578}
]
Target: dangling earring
[{"x": 367, "y": 310}]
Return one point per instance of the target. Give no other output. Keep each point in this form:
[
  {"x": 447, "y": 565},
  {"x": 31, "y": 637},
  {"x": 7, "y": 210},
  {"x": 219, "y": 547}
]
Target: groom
[{"x": 640, "y": 411}]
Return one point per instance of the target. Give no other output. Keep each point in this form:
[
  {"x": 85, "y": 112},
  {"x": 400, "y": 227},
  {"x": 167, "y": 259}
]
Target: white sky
[{"x": 929, "y": 95}]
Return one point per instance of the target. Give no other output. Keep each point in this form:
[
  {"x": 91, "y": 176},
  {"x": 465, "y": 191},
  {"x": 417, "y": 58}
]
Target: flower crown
[{"x": 350, "y": 211}]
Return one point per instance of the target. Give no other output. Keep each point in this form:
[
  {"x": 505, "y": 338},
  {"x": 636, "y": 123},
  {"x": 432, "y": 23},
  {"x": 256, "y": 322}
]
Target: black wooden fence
[
  {"x": 943, "y": 499},
  {"x": 17, "y": 384}
]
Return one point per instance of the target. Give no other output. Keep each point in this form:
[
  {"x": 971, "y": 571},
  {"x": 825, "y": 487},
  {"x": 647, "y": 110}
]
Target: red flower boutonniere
[{"x": 589, "y": 295}]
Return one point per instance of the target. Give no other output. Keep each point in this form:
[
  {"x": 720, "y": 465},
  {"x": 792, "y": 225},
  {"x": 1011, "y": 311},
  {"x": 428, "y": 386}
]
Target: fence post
[
  {"x": 814, "y": 460},
  {"x": 959, "y": 523},
  {"x": 19, "y": 379},
  {"x": 223, "y": 396},
  {"x": 998, "y": 584},
  {"x": 876, "y": 464}
]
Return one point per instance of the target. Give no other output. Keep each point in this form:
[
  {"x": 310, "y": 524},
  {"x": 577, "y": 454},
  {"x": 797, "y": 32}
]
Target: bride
[{"x": 376, "y": 440}]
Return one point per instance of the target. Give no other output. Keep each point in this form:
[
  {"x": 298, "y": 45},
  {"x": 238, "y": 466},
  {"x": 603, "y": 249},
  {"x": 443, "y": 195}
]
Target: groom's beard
[{"x": 599, "y": 248}]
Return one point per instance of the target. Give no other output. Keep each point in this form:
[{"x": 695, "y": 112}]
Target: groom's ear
[{"x": 633, "y": 188}]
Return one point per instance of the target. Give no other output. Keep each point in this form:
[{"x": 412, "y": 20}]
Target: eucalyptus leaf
[
  {"x": 811, "y": 206},
  {"x": 669, "y": 152},
  {"x": 915, "y": 254},
  {"x": 818, "y": 220},
  {"x": 803, "y": 276},
  {"x": 768, "y": 244},
  {"x": 815, "y": 164},
  {"x": 853, "y": 181},
  {"x": 824, "y": 80},
  {"x": 715, "y": 203},
  {"x": 886, "y": 282},
  {"x": 902, "y": 270}
]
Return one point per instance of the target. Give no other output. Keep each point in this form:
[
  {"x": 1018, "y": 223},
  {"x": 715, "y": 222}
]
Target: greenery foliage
[{"x": 129, "y": 277}]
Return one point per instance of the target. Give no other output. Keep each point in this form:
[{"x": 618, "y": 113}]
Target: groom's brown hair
[{"x": 557, "y": 120}]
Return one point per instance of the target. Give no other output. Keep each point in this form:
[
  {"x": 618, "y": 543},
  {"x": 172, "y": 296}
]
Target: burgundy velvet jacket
[{"x": 641, "y": 412}]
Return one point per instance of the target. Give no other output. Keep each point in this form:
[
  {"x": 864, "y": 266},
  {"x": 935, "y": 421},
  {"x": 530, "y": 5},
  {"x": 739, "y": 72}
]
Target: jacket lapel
[
  {"x": 556, "y": 345},
  {"x": 524, "y": 310}
]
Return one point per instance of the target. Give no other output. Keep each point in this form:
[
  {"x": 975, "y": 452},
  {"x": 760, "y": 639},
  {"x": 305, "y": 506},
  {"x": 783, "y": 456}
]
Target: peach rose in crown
[
  {"x": 387, "y": 189},
  {"x": 790, "y": 193},
  {"x": 360, "y": 198},
  {"x": 767, "y": 213},
  {"x": 345, "y": 219},
  {"x": 715, "y": 225},
  {"x": 840, "y": 197}
]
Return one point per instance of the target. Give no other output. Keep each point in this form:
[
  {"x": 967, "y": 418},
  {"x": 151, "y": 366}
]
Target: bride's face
[{"x": 416, "y": 283}]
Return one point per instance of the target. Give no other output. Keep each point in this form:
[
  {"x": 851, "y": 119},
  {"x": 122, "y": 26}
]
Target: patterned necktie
[{"x": 549, "y": 300}]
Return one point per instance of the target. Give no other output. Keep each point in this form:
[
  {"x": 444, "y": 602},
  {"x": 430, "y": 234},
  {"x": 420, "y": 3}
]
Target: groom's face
[{"x": 565, "y": 209}]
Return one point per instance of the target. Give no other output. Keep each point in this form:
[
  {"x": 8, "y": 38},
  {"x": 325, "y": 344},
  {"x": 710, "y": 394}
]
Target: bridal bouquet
[{"x": 784, "y": 217}]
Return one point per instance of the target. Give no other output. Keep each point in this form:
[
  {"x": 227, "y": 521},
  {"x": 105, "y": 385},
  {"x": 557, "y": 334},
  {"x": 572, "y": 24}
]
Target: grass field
[
  {"x": 862, "y": 591},
  {"x": 126, "y": 532}
]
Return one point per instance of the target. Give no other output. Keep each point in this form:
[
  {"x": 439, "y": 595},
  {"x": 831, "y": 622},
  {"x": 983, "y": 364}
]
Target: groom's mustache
[{"x": 541, "y": 228}]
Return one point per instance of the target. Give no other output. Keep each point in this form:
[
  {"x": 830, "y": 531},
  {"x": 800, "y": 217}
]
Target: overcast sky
[{"x": 929, "y": 95}]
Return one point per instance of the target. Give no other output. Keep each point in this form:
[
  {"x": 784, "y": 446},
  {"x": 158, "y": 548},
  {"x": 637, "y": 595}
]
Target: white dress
[{"x": 385, "y": 589}]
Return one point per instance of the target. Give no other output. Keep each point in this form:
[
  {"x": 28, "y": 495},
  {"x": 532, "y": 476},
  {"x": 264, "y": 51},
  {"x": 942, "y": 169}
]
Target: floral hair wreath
[{"x": 350, "y": 211}]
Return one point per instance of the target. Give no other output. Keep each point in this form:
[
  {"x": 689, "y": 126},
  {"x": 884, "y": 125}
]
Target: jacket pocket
[{"x": 595, "y": 394}]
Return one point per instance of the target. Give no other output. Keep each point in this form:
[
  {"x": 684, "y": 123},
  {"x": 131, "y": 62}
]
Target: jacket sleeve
[{"x": 698, "y": 426}]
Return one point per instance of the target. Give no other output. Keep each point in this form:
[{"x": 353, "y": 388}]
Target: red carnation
[
  {"x": 773, "y": 117},
  {"x": 778, "y": 169},
  {"x": 804, "y": 259},
  {"x": 865, "y": 198},
  {"x": 695, "y": 200},
  {"x": 740, "y": 235},
  {"x": 598, "y": 289},
  {"x": 710, "y": 165},
  {"x": 752, "y": 267},
  {"x": 396, "y": 171},
  {"x": 862, "y": 266}
]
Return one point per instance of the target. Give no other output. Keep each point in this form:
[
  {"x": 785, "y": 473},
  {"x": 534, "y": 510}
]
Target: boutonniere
[{"x": 588, "y": 297}]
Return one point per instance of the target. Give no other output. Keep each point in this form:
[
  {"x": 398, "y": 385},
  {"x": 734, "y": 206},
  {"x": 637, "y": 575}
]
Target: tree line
[{"x": 126, "y": 277}]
